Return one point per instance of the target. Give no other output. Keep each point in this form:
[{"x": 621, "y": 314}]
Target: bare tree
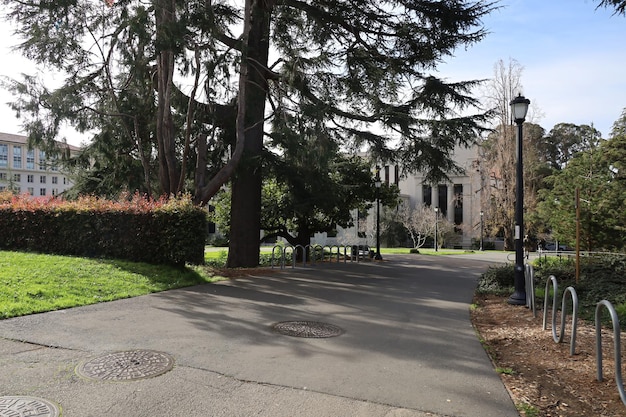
[{"x": 419, "y": 223}]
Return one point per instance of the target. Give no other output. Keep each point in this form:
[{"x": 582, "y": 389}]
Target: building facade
[
  {"x": 30, "y": 171},
  {"x": 458, "y": 201}
]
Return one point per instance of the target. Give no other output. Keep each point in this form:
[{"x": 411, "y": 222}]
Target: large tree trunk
[
  {"x": 245, "y": 223},
  {"x": 168, "y": 165}
]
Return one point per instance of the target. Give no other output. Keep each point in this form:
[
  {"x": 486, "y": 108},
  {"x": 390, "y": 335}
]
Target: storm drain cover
[
  {"x": 311, "y": 329},
  {"x": 27, "y": 406},
  {"x": 126, "y": 366}
]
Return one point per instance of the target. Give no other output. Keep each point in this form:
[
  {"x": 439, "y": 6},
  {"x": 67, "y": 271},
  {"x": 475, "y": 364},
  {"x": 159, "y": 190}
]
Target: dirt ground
[{"x": 541, "y": 376}]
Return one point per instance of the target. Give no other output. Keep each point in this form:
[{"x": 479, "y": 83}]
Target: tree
[
  {"x": 564, "y": 141},
  {"x": 598, "y": 174},
  {"x": 419, "y": 223},
  {"x": 362, "y": 73},
  {"x": 499, "y": 155},
  {"x": 619, "y": 5}
]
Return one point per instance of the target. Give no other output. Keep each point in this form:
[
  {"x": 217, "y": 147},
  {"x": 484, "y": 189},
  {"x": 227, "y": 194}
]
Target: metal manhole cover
[
  {"x": 126, "y": 366},
  {"x": 311, "y": 329},
  {"x": 19, "y": 406}
]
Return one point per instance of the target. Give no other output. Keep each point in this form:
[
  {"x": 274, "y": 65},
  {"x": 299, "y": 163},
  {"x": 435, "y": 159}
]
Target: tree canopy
[
  {"x": 163, "y": 81},
  {"x": 598, "y": 175}
]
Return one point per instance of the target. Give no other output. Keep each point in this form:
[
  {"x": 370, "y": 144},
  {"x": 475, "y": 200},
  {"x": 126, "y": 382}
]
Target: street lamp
[
  {"x": 436, "y": 227},
  {"x": 481, "y": 230},
  {"x": 378, "y": 256},
  {"x": 519, "y": 108}
]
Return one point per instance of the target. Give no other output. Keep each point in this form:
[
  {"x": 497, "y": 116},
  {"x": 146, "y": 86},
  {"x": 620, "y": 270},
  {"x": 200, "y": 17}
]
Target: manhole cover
[
  {"x": 27, "y": 406},
  {"x": 307, "y": 329},
  {"x": 126, "y": 366}
]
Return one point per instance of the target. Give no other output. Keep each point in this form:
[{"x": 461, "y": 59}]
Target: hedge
[{"x": 156, "y": 231}]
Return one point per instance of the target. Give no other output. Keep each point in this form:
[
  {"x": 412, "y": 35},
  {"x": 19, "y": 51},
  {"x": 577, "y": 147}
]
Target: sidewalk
[{"x": 406, "y": 346}]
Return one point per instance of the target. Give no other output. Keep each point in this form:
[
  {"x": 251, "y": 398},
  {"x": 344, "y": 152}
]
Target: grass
[
  {"x": 33, "y": 283},
  {"x": 505, "y": 371},
  {"x": 528, "y": 409}
]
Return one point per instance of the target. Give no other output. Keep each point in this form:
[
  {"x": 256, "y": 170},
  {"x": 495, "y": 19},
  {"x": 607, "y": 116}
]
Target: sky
[{"x": 573, "y": 57}]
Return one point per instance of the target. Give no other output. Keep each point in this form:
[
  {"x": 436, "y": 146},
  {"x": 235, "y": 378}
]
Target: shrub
[
  {"x": 134, "y": 228},
  {"x": 497, "y": 280}
]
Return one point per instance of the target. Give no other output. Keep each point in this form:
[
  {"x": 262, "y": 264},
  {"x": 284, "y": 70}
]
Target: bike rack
[
  {"x": 618, "y": 352},
  {"x": 529, "y": 275},
  {"x": 293, "y": 256},
  {"x": 555, "y": 286},
  {"x": 318, "y": 252},
  {"x": 282, "y": 256},
  {"x": 321, "y": 250},
  {"x": 574, "y": 296},
  {"x": 304, "y": 252},
  {"x": 558, "y": 338}
]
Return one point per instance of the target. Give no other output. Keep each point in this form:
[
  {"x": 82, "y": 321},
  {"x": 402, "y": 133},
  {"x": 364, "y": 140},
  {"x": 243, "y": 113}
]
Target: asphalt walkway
[{"x": 405, "y": 346}]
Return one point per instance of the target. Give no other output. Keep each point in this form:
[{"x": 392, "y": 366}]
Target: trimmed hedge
[{"x": 137, "y": 229}]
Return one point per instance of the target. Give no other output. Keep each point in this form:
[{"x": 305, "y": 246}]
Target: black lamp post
[
  {"x": 481, "y": 230},
  {"x": 436, "y": 228},
  {"x": 378, "y": 256},
  {"x": 519, "y": 108}
]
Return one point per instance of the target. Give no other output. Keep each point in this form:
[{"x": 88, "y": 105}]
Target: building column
[{"x": 451, "y": 200}]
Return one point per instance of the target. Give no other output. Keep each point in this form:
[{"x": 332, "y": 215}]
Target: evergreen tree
[
  {"x": 363, "y": 71},
  {"x": 598, "y": 174}
]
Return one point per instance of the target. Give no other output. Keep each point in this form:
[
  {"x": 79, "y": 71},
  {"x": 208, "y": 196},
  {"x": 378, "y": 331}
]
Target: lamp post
[
  {"x": 378, "y": 256},
  {"x": 519, "y": 108},
  {"x": 436, "y": 227},
  {"x": 481, "y": 230}
]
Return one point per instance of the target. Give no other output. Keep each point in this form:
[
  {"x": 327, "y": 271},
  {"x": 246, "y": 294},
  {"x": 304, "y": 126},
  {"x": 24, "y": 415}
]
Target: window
[
  {"x": 17, "y": 189},
  {"x": 53, "y": 164},
  {"x": 65, "y": 182},
  {"x": 443, "y": 200},
  {"x": 42, "y": 179},
  {"x": 3, "y": 176},
  {"x": 55, "y": 191},
  {"x": 55, "y": 180},
  {"x": 427, "y": 192},
  {"x": 30, "y": 178},
  {"x": 42, "y": 191},
  {"x": 42, "y": 160},
  {"x": 2, "y": 188},
  {"x": 4, "y": 155},
  {"x": 17, "y": 157},
  {"x": 30, "y": 159},
  {"x": 31, "y": 191},
  {"x": 17, "y": 177},
  {"x": 458, "y": 204}
]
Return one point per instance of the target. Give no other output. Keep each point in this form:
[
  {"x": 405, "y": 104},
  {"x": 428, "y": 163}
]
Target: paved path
[{"x": 408, "y": 348}]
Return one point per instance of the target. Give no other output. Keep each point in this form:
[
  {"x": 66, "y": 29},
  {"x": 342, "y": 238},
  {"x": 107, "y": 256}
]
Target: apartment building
[{"x": 30, "y": 170}]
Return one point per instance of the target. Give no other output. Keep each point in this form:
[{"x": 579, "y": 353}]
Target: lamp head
[{"x": 519, "y": 108}]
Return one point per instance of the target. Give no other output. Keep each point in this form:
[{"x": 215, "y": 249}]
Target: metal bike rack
[
  {"x": 574, "y": 296},
  {"x": 282, "y": 256},
  {"x": 315, "y": 250},
  {"x": 558, "y": 338},
  {"x": 555, "y": 286},
  {"x": 618, "y": 351},
  {"x": 303, "y": 249},
  {"x": 529, "y": 275},
  {"x": 333, "y": 250},
  {"x": 293, "y": 256}
]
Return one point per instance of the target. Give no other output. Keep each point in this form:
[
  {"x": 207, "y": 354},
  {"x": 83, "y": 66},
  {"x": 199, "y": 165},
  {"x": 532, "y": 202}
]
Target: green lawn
[{"x": 33, "y": 283}]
